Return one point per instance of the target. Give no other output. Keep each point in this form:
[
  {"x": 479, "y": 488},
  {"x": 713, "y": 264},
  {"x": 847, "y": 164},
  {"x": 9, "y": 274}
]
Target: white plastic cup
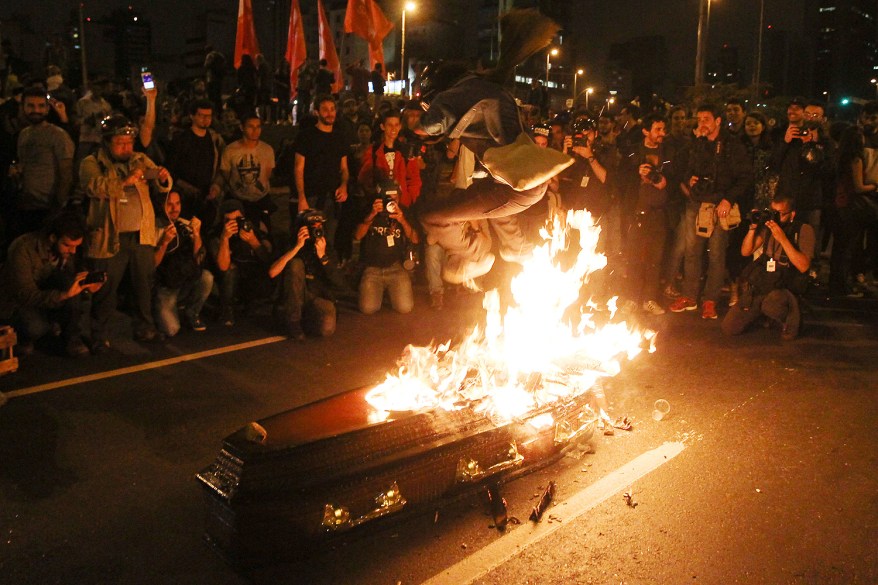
[{"x": 661, "y": 408}]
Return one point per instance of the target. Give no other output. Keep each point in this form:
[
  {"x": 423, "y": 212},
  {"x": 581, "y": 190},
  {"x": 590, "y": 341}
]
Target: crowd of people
[{"x": 169, "y": 198}]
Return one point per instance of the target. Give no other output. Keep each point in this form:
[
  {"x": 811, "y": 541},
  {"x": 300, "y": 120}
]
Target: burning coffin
[
  {"x": 509, "y": 397},
  {"x": 300, "y": 477}
]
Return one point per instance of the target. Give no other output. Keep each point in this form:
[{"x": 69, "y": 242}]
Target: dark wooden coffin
[{"x": 293, "y": 480}]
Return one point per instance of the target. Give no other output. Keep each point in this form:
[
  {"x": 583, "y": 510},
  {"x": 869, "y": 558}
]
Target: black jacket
[{"x": 725, "y": 162}]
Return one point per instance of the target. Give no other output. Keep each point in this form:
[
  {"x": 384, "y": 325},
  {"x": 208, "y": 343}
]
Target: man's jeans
[
  {"x": 316, "y": 314},
  {"x": 484, "y": 199},
  {"x": 434, "y": 258},
  {"x": 191, "y": 295},
  {"x": 140, "y": 260},
  {"x": 34, "y": 324},
  {"x": 776, "y": 305},
  {"x": 395, "y": 279},
  {"x": 716, "y": 267}
]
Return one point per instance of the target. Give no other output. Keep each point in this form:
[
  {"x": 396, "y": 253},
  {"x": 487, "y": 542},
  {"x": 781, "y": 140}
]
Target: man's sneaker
[
  {"x": 653, "y": 308},
  {"x": 437, "y": 300},
  {"x": 227, "y": 316},
  {"x": 793, "y": 321},
  {"x": 683, "y": 304},
  {"x": 99, "y": 346},
  {"x": 295, "y": 332},
  {"x": 75, "y": 348},
  {"x": 195, "y": 322},
  {"x": 708, "y": 310},
  {"x": 459, "y": 270},
  {"x": 734, "y": 294},
  {"x": 671, "y": 292}
]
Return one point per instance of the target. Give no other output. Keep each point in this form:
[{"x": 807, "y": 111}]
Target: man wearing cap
[
  {"x": 121, "y": 224},
  {"x": 310, "y": 278},
  {"x": 240, "y": 252}
]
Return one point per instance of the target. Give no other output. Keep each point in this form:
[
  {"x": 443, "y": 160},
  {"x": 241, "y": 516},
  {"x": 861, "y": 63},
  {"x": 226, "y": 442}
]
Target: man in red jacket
[{"x": 384, "y": 164}]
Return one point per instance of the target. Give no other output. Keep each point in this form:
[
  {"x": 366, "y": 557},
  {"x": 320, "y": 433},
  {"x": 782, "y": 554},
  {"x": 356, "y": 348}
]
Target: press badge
[
  {"x": 390, "y": 243},
  {"x": 770, "y": 266},
  {"x": 584, "y": 182}
]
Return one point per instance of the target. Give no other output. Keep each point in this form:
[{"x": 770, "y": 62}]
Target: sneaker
[
  {"x": 708, "y": 310},
  {"x": 437, "y": 300},
  {"x": 295, "y": 332},
  {"x": 734, "y": 296},
  {"x": 671, "y": 292},
  {"x": 458, "y": 270},
  {"x": 653, "y": 308},
  {"x": 227, "y": 316},
  {"x": 683, "y": 304},
  {"x": 793, "y": 321},
  {"x": 75, "y": 348},
  {"x": 99, "y": 346},
  {"x": 195, "y": 322}
]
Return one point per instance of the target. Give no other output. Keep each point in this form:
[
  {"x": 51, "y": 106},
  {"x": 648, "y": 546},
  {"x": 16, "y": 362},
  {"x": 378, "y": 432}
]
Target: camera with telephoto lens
[
  {"x": 703, "y": 187},
  {"x": 654, "y": 175},
  {"x": 388, "y": 191},
  {"x": 244, "y": 224},
  {"x": 184, "y": 227},
  {"x": 808, "y": 126},
  {"x": 314, "y": 221},
  {"x": 580, "y": 127},
  {"x": 760, "y": 216}
]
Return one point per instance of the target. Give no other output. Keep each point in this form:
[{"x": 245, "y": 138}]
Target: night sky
[{"x": 602, "y": 21}]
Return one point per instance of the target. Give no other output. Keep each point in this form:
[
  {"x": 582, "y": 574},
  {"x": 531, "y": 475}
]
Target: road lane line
[
  {"x": 500, "y": 551},
  {"x": 143, "y": 367}
]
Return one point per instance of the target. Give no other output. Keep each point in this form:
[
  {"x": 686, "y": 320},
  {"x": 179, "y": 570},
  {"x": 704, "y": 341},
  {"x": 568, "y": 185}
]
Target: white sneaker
[{"x": 653, "y": 308}]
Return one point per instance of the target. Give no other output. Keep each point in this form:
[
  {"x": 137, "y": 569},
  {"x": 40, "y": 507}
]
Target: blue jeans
[
  {"x": 395, "y": 279},
  {"x": 434, "y": 258},
  {"x": 716, "y": 258},
  {"x": 191, "y": 295}
]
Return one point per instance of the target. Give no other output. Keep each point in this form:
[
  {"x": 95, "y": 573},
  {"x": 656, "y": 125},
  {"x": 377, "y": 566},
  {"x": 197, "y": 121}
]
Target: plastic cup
[{"x": 661, "y": 408}]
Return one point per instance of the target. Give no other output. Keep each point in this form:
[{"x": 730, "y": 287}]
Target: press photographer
[
  {"x": 241, "y": 251},
  {"x": 41, "y": 285},
  {"x": 771, "y": 284},
  {"x": 585, "y": 184},
  {"x": 387, "y": 238},
  {"x": 311, "y": 279},
  {"x": 717, "y": 175},
  {"x": 180, "y": 276}
]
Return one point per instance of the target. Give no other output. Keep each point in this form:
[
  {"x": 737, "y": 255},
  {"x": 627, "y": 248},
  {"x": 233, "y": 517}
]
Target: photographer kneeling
[
  {"x": 385, "y": 253},
  {"x": 180, "y": 276},
  {"x": 310, "y": 274},
  {"x": 772, "y": 283},
  {"x": 41, "y": 284}
]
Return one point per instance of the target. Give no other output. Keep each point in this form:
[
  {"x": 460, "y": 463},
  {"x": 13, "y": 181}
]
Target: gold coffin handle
[{"x": 468, "y": 470}]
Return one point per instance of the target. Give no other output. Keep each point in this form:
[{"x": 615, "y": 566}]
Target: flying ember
[{"x": 548, "y": 346}]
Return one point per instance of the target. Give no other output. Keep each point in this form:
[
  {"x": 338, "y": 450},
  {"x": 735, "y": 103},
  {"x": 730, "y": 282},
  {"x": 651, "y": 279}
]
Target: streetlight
[
  {"x": 588, "y": 92},
  {"x": 403, "y": 74},
  {"x": 575, "y": 75},
  {"x": 874, "y": 82},
  {"x": 701, "y": 48},
  {"x": 551, "y": 53}
]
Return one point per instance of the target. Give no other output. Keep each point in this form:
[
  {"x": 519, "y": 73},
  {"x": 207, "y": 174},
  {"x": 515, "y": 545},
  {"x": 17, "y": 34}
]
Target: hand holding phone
[{"x": 146, "y": 77}]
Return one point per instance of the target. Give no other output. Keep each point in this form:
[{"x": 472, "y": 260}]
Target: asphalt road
[{"x": 767, "y": 470}]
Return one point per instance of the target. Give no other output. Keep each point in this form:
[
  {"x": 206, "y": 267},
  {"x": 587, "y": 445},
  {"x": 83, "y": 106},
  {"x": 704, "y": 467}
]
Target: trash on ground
[{"x": 546, "y": 499}]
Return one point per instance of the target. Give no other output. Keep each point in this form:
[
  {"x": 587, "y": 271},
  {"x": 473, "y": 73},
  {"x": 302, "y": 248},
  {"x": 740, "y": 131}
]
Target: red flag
[
  {"x": 245, "y": 40},
  {"x": 365, "y": 19},
  {"x": 296, "y": 53},
  {"x": 327, "y": 47}
]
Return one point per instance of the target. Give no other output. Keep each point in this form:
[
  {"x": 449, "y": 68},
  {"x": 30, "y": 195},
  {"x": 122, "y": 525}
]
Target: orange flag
[
  {"x": 365, "y": 19},
  {"x": 245, "y": 40},
  {"x": 296, "y": 53},
  {"x": 327, "y": 47}
]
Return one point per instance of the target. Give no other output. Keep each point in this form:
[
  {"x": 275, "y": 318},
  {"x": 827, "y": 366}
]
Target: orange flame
[{"x": 528, "y": 357}]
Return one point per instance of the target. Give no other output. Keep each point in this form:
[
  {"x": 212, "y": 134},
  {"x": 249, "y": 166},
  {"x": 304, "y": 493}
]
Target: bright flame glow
[{"x": 549, "y": 346}]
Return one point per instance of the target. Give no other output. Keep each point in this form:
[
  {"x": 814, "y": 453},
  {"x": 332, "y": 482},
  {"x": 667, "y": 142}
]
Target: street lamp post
[
  {"x": 575, "y": 76},
  {"x": 588, "y": 92},
  {"x": 409, "y": 6},
  {"x": 701, "y": 48},
  {"x": 874, "y": 82},
  {"x": 551, "y": 53}
]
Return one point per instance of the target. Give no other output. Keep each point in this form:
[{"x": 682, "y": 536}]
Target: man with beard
[
  {"x": 321, "y": 166},
  {"x": 121, "y": 225},
  {"x": 40, "y": 284},
  {"x": 194, "y": 159},
  {"x": 45, "y": 168}
]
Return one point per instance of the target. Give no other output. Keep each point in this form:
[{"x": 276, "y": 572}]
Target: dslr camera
[
  {"x": 704, "y": 186},
  {"x": 184, "y": 226},
  {"x": 388, "y": 191},
  {"x": 654, "y": 175},
  {"x": 314, "y": 221},
  {"x": 244, "y": 224},
  {"x": 760, "y": 216},
  {"x": 579, "y": 128}
]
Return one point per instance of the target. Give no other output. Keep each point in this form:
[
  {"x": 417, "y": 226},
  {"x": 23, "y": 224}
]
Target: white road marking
[
  {"x": 142, "y": 367},
  {"x": 500, "y": 551}
]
